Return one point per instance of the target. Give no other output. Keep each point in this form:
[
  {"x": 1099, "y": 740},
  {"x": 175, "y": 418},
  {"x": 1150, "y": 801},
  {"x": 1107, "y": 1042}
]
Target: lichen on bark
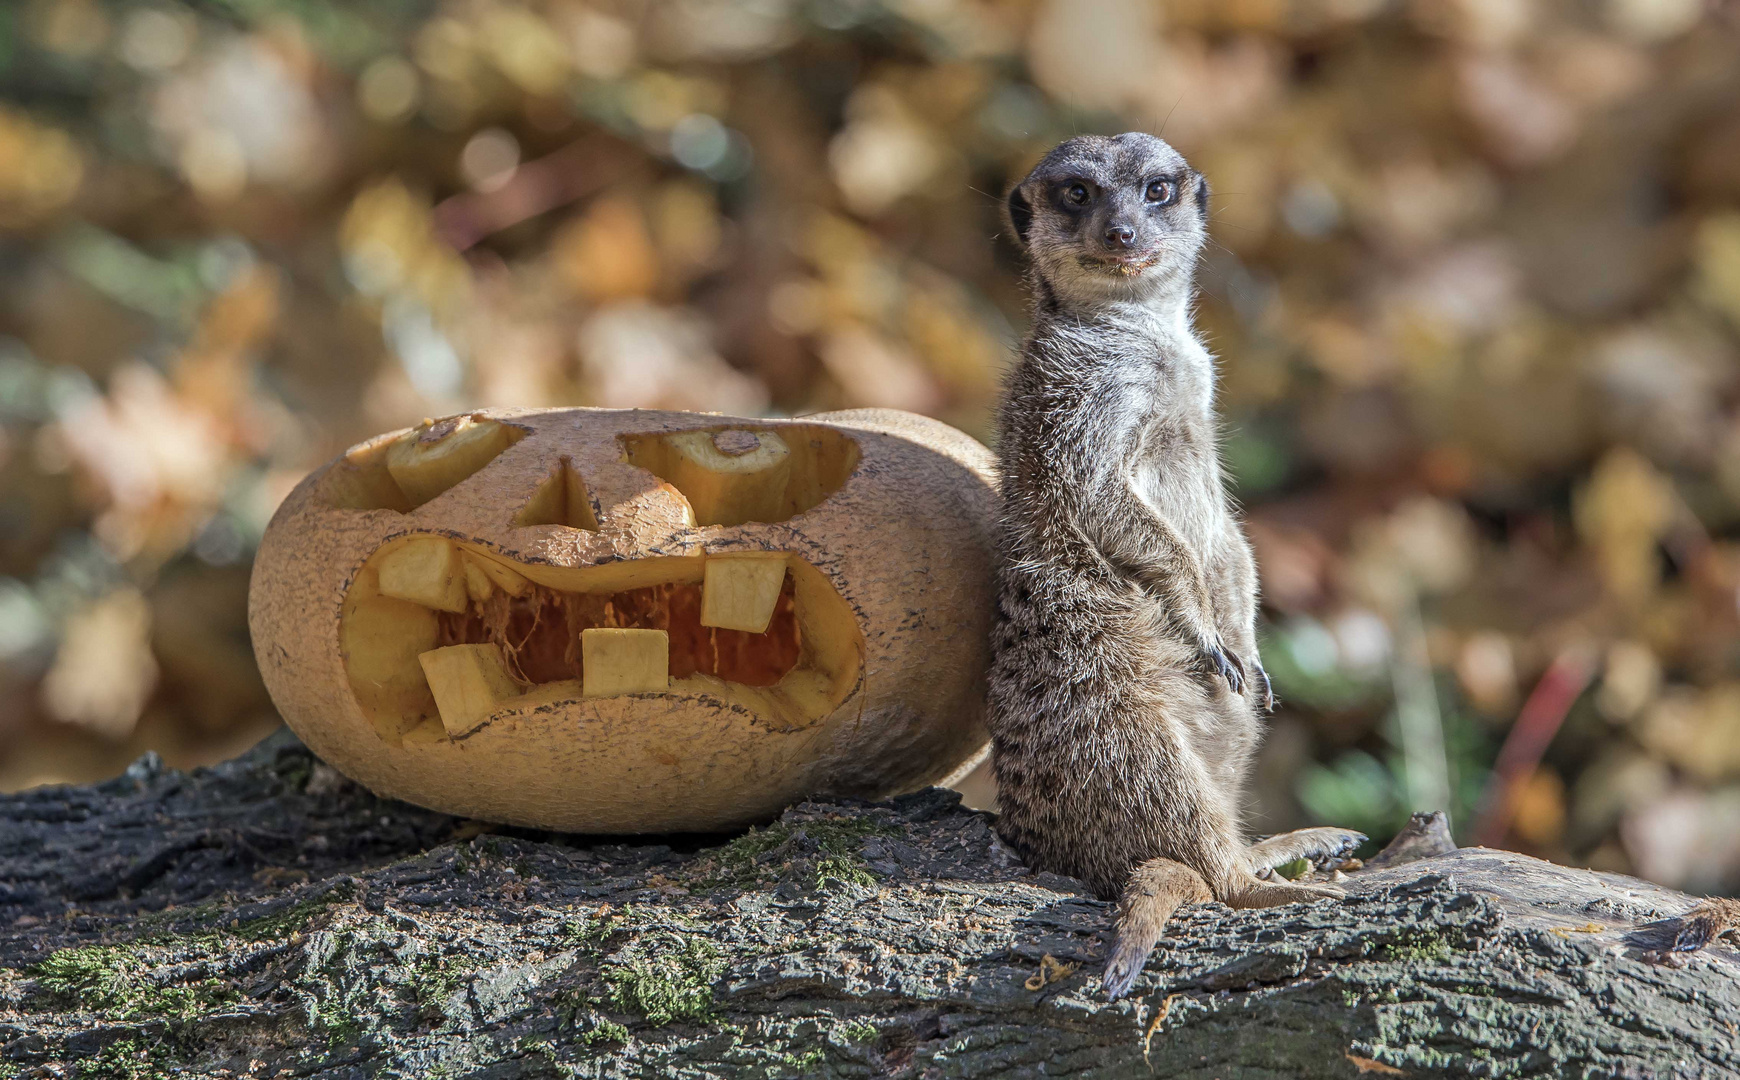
[{"x": 266, "y": 918}]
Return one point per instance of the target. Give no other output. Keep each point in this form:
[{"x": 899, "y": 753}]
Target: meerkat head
[{"x": 1104, "y": 219}]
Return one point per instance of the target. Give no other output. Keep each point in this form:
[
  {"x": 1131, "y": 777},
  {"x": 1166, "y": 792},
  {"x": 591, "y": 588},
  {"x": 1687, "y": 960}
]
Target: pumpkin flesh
[{"x": 418, "y": 596}]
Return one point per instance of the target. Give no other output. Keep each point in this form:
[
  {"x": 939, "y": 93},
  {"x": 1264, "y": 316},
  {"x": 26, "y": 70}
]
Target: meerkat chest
[
  {"x": 1178, "y": 476},
  {"x": 1176, "y": 467}
]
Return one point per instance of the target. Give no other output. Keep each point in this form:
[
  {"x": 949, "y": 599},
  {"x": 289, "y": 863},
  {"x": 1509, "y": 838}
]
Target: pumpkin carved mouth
[{"x": 440, "y": 636}]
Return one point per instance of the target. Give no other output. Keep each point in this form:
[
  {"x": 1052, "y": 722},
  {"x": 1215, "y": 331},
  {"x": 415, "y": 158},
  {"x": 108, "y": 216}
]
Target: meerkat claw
[
  {"x": 1344, "y": 849},
  {"x": 1268, "y": 689},
  {"x": 1227, "y": 665}
]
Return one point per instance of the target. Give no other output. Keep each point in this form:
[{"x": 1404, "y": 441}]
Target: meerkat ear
[
  {"x": 1020, "y": 215},
  {"x": 1202, "y": 193}
]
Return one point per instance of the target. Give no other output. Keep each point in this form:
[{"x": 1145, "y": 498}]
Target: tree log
[{"x": 267, "y": 918}]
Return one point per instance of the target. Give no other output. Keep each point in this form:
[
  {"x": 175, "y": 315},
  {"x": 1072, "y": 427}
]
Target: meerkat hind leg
[
  {"x": 1156, "y": 889},
  {"x": 1160, "y": 887},
  {"x": 1255, "y": 893},
  {"x": 1320, "y": 845}
]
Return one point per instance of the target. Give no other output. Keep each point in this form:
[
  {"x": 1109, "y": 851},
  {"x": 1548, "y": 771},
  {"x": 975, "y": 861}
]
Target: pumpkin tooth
[
  {"x": 741, "y": 589},
  {"x": 478, "y": 587},
  {"x": 620, "y": 661},
  {"x": 425, "y": 570},
  {"x": 505, "y": 578},
  {"x": 468, "y": 682}
]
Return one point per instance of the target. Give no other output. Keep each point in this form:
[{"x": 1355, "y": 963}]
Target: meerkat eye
[
  {"x": 1077, "y": 194},
  {"x": 1162, "y": 191}
]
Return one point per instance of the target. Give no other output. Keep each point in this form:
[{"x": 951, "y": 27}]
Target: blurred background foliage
[{"x": 1475, "y": 284}]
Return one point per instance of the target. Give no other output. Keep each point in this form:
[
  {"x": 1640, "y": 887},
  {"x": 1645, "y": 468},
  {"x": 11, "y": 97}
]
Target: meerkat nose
[{"x": 1120, "y": 236}]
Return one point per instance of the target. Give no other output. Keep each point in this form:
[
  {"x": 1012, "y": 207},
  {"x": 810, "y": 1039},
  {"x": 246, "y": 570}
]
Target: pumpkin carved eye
[
  {"x": 733, "y": 476},
  {"x": 404, "y": 473}
]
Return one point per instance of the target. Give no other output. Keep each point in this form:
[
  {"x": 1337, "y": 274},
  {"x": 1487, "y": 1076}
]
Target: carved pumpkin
[{"x": 634, "y": 621}]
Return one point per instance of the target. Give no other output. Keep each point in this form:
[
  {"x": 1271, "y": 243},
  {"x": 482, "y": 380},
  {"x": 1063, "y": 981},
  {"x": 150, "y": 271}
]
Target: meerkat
[{"x": 1125, "y": 689}]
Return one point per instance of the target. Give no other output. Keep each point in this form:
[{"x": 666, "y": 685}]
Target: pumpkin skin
[{"x": 639, "y": 535}]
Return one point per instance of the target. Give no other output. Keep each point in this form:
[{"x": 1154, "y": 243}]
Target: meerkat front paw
[
  {"x": 1338, "y": 845},
  {"x": 1219, "y": 660},
  {"x": 1327, "y": 848},
  {"x": 1265, "y": 690}
]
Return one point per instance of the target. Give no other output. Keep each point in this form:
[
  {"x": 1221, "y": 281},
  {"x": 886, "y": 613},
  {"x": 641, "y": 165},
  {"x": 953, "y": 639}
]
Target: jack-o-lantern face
[{"x": 635, "y": 621}]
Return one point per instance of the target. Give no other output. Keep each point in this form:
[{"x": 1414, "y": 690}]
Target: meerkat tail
[
  {"x": 1157, "y": 888},
  {"x": 1706, "y": 922}
]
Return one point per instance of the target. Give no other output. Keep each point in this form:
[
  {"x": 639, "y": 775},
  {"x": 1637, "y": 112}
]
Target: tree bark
[{"x": 267, "y": 918}]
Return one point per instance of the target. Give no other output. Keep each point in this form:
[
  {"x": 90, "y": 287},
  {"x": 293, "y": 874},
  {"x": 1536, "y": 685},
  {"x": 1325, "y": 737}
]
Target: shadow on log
[{"x": 269, "y": 919}]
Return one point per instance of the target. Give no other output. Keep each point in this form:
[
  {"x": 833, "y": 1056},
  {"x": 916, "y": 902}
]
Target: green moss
[
  {"x": 543, "y": 1048},
  {"x": 845, "y": 869},
  {"x": 738, "y": 863},
  {"x": 834, "y": 844},
  {"x": 1294, "y": 870},
  {"x": 575, "y": 933},
  {"x": 800, "y": 1064},
  {"x": 672, "y": 981},
  {"x": 588, "y": 932},
  {"x": 330, "y": 1009},
  {"x": 593, "y": 931},
  {"x": 292, "y": 920},
  {"x": 603, "y": 1031},
  {"x": 858, "y": 1031},
  {"x": 115, "y": 980},
  {"x": 433, "y": 978},
  {"x": 205, "y": 935},
  {"x": 336, "y": 1019},
  {"x": 1424, "y": 946},
  {"x": 123, "y": 1059},
  {"x": 570, "y": 1003}
]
